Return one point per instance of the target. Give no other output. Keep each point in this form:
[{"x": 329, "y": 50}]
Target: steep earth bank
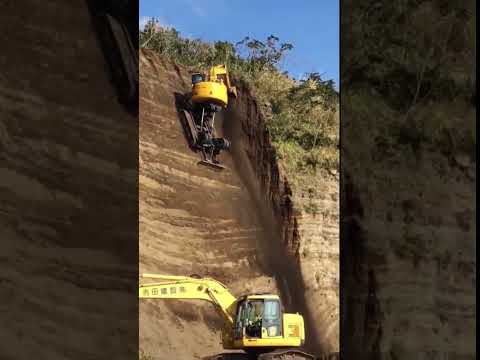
[
  {"x": 309, "y": 238},
  {"x": 426, "y": 227},
  {"x": 192, "y": 220},
  {"x": 195, "y": 220},
  {"x": 408, "y": 180},
  {"x": 68, "y": 155}
]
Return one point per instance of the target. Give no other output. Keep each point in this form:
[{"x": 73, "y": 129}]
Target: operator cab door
[
  {"x": 272, "y": 319},
  {"x": 260, "y": 319},
  {"x": 240, "y": 321}
]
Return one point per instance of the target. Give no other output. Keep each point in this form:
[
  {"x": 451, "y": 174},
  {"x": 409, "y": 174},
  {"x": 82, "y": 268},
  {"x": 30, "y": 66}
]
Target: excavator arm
[
  {"x": 222, "y": 72},
  {"x": 183, "y": 287}
]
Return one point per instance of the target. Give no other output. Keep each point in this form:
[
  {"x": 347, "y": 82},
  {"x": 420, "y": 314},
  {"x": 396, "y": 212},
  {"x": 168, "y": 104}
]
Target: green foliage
[
  {"x": 168, "y": 42},
  {"x": 246, "y": 59},
  {"x": 414, "y": 60},
  {"x": 304, "y": 124},
  {"x": 262, "y": 56},
  {"x": 302, "y": 116}
]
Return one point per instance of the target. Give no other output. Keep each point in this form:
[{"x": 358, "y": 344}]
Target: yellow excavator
[
  {"x": 209, "y": 95},
  {"x": 254, "y": 323}
]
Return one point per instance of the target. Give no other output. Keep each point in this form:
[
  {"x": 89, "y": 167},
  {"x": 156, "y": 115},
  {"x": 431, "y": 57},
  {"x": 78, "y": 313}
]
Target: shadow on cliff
[
  {"x": 278, "y": 263},
  {"x": 273, "y": 256}
]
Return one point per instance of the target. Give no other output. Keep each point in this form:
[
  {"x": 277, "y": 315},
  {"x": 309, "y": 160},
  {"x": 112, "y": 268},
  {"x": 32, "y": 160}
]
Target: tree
[{"x": 263, "y": 56}]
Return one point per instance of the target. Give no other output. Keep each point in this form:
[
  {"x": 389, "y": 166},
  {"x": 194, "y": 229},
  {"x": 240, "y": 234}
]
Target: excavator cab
[
  {"x": 197, "y": 77},
  {"x": 259, "y": 318}
]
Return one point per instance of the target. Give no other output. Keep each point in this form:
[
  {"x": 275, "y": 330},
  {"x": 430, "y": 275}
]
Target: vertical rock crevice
[{"x": 256, "y": 160}]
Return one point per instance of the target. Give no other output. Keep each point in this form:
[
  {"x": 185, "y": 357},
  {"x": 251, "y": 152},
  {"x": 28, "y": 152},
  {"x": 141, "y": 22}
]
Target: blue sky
[{"x": 312, "y": 26}]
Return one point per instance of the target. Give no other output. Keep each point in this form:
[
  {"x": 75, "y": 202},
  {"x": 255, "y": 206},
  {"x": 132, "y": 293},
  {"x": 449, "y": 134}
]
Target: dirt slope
[
  {"x": 425, "y": 228},
  {"x": 309, "y": 240},
  {"x": 195, "y": 220},
  {"x": 409, "y": 180},
  {"x": 192, "y": 220},
  {"x": 66, "y": 170}
]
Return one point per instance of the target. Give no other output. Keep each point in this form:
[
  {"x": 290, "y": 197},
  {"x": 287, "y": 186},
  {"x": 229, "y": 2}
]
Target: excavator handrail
[{"x": 183, "y": 278}]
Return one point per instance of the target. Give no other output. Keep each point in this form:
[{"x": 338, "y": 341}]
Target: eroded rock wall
[
  {"x": 411, "y": 249},
  {"x": 195, "y": 220},
  {"x": 408, "y": 180},
  {"x": 68, "y": 190},
  {"x": 309, "y": 239}
]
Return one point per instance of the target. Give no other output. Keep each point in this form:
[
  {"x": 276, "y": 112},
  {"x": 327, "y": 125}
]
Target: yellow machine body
[
  {"x": 286, "y": 330},
  {"x": 210, "y": 92},
  {"x": 215, "y": 87},
  {"x": 293, "y": 335}
]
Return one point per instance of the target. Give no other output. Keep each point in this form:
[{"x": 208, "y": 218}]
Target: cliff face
[
  {"x": 192, "y": 220},
  {"x": 310, "y": 239},
  {"x": 67, "y": 184},
  {"x": 426, "y": 228},
  {"x": 238, "y": 226},
  {"x": 318, "y": 256},
  {"x": 408, "y": 180}
]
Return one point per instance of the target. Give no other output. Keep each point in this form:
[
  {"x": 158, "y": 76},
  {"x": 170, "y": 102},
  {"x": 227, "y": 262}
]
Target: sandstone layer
[
  {"x": 238, "y": 226},
  {"x": 68, "y": 158}
]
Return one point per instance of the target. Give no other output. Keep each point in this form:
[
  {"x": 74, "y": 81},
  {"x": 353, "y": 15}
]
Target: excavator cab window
[
  {"x": 254, "y": 319},
  {"x": 272, "y": 318},
  {"x": 241, "y": 320},
  {"x": 196, "y": 78},
  {"x": 259, "y": 319}
]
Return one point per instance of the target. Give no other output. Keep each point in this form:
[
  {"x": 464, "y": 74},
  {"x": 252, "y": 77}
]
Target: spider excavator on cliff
[
  {"x": 254, "y": 323},
  {"x": 210, "y": 92}
]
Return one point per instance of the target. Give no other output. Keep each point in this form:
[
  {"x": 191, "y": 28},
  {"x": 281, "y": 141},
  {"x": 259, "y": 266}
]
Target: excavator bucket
[
  {"x": 209, "y": 159},
  {"x": 211, "y": 164}
]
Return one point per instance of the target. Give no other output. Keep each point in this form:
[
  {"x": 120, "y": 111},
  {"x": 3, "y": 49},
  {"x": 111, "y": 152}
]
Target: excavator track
[
  {"x": 286, "y": 354},
  {"x": 332, "y": 356},
  {"x": 211, "y": 164},
  {"x": 192, "y": 130},
  {"x": 228, "y": 356}
]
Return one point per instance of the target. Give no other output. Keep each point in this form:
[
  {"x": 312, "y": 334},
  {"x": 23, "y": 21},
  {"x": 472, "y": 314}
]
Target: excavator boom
[
  {"x": 221, "y": 72},
  {"x": 183, "y": 287}
]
